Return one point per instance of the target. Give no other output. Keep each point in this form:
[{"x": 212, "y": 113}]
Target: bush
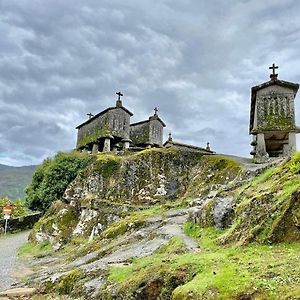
[
  {"x": 52, "y": 178},
  {"x": 19, "y": 208}
]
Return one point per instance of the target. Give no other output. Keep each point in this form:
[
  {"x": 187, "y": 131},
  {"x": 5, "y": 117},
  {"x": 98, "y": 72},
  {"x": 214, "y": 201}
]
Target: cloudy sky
[{"x": 194, "y": 59}]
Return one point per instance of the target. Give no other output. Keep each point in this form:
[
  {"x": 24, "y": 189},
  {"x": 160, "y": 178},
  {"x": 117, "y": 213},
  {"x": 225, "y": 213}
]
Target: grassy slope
[
  {"x": 228, "y": 266},
  {"x": 215, "y": 272},
  {"x": 267, "y": 211},
  {"x": 13, "y": 180}
]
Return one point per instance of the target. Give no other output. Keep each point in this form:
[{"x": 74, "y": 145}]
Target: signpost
[{"x": 7, "y": 211}]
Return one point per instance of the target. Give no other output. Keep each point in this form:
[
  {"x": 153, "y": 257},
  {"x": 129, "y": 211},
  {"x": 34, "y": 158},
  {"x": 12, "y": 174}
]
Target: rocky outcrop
[
  {"x": 113, "y": 186},
  {"x": 159, "y": 210}
]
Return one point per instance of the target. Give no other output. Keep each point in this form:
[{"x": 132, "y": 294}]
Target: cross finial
[
  {"x": 119, "y": 95},
  {"x": 155, "y": 111},
  {"x": 170, "y": 137},
  {"x": 119, "y": 101},
  {"x": 273, "y": 75},
  {"x": 90, "y": 115},
  {"x": 208, "y": 146}
]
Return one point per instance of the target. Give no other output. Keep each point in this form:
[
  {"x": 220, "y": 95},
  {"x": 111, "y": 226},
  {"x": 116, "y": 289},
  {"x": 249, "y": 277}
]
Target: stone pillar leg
[
  {"x": 95, "y": 149},
  {"x": 106, "y": 147},
  {"x": 261, "y": 154},
  {"x": 125, "y": 146},
  {"x": 290, "y": 148}
]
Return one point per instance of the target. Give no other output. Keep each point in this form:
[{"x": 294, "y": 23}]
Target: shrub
[{"x": 52, "y": 178}]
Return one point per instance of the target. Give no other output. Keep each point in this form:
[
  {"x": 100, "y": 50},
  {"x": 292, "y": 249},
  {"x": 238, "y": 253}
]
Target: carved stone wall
[{"x": 275, "y": 109}]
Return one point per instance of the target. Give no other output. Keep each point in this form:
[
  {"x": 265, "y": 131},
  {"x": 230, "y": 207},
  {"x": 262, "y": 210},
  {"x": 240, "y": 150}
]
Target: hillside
[
  {"x": 13, "y": 180},
  {"x": 167, "y": 224}
]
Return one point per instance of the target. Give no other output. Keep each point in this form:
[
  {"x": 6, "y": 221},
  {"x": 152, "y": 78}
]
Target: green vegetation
[
  {"x": 273, "y": 122},
  {"x": 257, "y": 257},
  {"x": 68, "y": 282},
  {"x": 107, "y": 164},
  {"x": 59, "y": 215},
  {"x": 214, "y": 170},
  {"x": 267, "y": 208},
  {"x": 13, "y": 181},
  {"x": 97, "y": 133},
  {"x": 52, "y": 178},
  {"x": 19, "y": 207},
  {"x": 215, "y": 272},
  {"x": 29, "y": 250}
]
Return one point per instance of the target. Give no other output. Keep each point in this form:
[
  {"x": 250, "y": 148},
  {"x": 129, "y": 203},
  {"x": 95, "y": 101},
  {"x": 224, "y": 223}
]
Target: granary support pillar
[
  {"x": 261, "y": 153},
  {"x": 126, "y": 144},
  {"x": 290, "y": 148},
  {"x": 106, "y": 147},
  {"x": 95, "y": 148}
]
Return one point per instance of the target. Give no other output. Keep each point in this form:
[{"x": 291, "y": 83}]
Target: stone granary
[
  {"x": 272, "y": 118},
  {"x": 148, "y": 133},
  {"x": 111, "y": 130},
  {"x": 185, "y": 147}
]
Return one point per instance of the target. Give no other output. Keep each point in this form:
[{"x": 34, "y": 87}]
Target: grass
[
  {"x": 215, "y": 272},
  {"x": 33, "y": 249}
]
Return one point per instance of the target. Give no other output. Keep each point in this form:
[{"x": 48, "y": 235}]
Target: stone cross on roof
[
  {"x": 155, "y": 111},
  {"x": 273, "y": 75},
  {"x": 119, "y": 95},
  {"x": 119, "y": 101},
  {"x": 90, "y": 115}
]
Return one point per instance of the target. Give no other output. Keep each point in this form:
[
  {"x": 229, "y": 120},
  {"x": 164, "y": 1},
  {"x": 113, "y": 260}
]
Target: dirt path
[{"x": 8, "y": 257}]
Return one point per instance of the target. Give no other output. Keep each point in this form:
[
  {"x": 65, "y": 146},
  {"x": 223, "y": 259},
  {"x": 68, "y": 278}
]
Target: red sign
[{"x": 7, "y": 209}]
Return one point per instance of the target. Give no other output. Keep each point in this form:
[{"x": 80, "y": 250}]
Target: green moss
[
  {"x": 212, "y": 171},
  {"x": 277, "y": 122},
  {"x": 107, "y": 164},
  {"x": 123, "y": 226},
  {"x": 93, "y": 136},
  {"x": 153, "y": 151},
  {"x": 67, "y": 283},
  {"x": 265, "y": 206},
  {"x": 140, "y": 136}
]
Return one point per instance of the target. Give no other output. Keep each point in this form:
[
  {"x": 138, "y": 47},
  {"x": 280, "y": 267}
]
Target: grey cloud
[{"x": 195, "y": 60}]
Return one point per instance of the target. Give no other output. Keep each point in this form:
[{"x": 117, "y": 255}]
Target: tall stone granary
[{"x": 272, "y": 118}]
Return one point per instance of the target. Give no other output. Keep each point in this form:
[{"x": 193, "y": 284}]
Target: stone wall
[
  {"x": 115, "y": 122},
  {"x": 275, "y": 109},
  {"x": 20, "y": 223},
  {"x": 139, "y": 133},
  {"x": 156, "y": 132}
]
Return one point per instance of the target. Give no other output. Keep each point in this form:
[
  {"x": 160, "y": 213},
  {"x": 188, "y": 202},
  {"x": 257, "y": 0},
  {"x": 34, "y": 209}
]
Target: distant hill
[{"x": 13, "y": 180}]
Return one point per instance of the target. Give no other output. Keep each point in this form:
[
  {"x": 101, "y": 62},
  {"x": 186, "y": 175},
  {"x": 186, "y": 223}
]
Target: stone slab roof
[
  {"x": 195, "y": 148},
  {"x": 102, "y": 113},
  {"x": 146, "y": 121},
  {"x": 255, "y": 89}
]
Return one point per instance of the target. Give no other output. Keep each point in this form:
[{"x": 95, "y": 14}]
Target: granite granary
[
  {"x": 272, "y": 118},
  {"x": 111, "y": 130}
]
